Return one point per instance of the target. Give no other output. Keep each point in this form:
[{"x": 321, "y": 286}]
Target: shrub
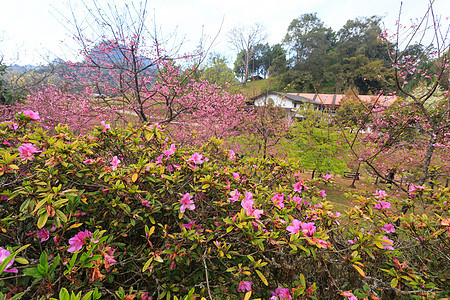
[{"x": 127, "y": 213}]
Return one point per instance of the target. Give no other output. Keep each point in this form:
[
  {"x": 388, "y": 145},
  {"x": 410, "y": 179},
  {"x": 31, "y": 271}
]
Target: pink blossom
[
  {"x": 298, "y": 186},
  {"x": 43, "y": 234},
  {"x": 159, "y": 159},
  {"x": 247, "y": 204},
  {"x": 380, "y": 193},
  {"x": 236, "y": 175},
  {"x": 234, "y": 196},
  {"x": 308, "y": 228},
  {"x": 196, "y": 158},
  {"x": 105, "y": 126},
  {"x": 33, "y": 115},
  {"x": 77, "y": 242},
  {"x": 245, "y": 286},
  {"x": 383, "y": 205},
  {"x": 295, "y": 228},
  {"x": 189, "y": 225},
  {"x": 282, "y": 293},
  {"x": 232, "y": 155},
  {"x": 109, "y": 257},
  {"x": 327, "y": 176},
  {"x": 170, "y": 151},
  {"x": 388, "y": 228},
  {"x": 277, "y": 200},
  {"x": 323, "y": 194},
  {"x": 88, "y": 161},
  {"x": 26, "y": 151},
  {"x": 298, "y": 200},
  {"x": 388, "y": 244},
  {"x": 115, "y": 162},
  {"x": 187, "y": 202},
  {"x": 145, "y": 203},
  {"x": 3, "y": 255}
]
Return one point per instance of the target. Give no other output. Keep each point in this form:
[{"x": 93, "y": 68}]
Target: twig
[{"x": 206, "y": 273}]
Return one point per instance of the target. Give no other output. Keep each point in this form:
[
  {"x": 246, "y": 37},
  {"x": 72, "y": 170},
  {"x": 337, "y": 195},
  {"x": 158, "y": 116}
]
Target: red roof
[{"x": 336, "y": 99}]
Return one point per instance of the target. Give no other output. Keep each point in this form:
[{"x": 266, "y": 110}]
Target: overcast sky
[{"x": 31, "y": 30}]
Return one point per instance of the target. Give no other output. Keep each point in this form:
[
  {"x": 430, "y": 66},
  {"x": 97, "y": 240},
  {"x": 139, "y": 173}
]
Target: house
[{"x": 326, "y": 102}]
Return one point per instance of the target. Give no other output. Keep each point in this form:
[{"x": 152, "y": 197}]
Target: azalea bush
[{"x": 129, "y": 214}]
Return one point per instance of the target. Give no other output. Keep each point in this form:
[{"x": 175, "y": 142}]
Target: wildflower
[
  {"x": 387, "y": 244},
  {"x": 245, "y": 286},
  {"x": 33, "y": 115},
  {"x": 308, "y": 228},
  {"x": 234, "y": 196},
  {"x": 186, "y": 202},
  {"x": 298, "y": 186},
  {"x": 323, "y": 194},
  {"x": 43, "y": 234},
  {"x": 277, "y": 200},
  {"x": 388, "y": 228},
  {"x": 105, "y": 126},
  {"x": 327, "y": 176},
  {"x": 196, "y": 158},
  {"x": 26, "y": 151},
  {"x": 77, "y": 242},
  {"x": 170, "y": 151},
  {"x": 282, "y": 293},
  {"x": 236, "y": 175},
  {"x": 232, "y": 155},
  {"x": 88, "y": 161},
  {"x": 295, "y": 228},
  {"x": 3, "y": 255},
  {"x": 380, "y": 193},
  {"x": 115, "y": 162}
]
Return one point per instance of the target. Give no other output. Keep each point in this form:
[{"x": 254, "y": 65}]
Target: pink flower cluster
[
  {"x": 115, "y": 162},
  {"x": 79, "y": 240},
  {"x": 281, "y": 293},
  {"x": 306, "y": 228},
  {"x": 33, "y": 115},
  {"x": 413, "y": 189},
  {"x": 247, "y": 204},
  {"x": 197, "y": 158},
  {"x": 105, "y": 126},
  {"x": 245, "y": 286},
  {"x": 170, "y": 151},
  {"x": 383, "y": 205},
  {"x": 278, "y": 200},
  {"x": 3, "y": 255},
  {"x": 26, "y": 151},
  {"x": 187, "y": 202},
  {"x": 234, "y": 196}
]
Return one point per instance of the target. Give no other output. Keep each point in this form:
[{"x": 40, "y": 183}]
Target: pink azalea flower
[
  {"x": 327, "y": 176},
  {"x": 3, "y": 255},
  {"x": 378, "y": 206},
  {"x": 77, "y": 242},
  {"x": 323, "y": 194},
  {"x": 170, "y": 151},
  {"x": 298, "y": 200},
  {"x": 236, "y": 175},
  {"x": 186, "y": 202},
  {"x": 380, "y": 193},
  {"x": 88, "y": 161},
  {"x": 323, "y": 243},
  {"x": 248, "y": 196},
  {"x": 388, "y": 228},
  {"x": 12, "y": 125},
  {"x": 43, "y": 234},
  {"x": 196, "y": 158},
  {"x": 234, "y": 196},
  {"x": 33, "y": 115},
  {"x": 189, "y": 225},
  {"x": 277, "y": 200},
  {"x": 232, "y": 155},
  {"x": 282, "y": 293},
  {"x": 388, "y": 244},
  {"x": 26, "y": 151},
  {"x": 308, "y": 228},
  {"x": 295, "y": 228},
  {"x": 145, "y": 203},
  {"x": 247, "y": 204},
  {"x": 298, "y": 186},
  {"x": 245, "y": 286},
  {"x": 115, "y": 162},
  {"x": 383, "y": 205},
  {"x": 105, "y": 126},
  {"x": 159, "y": 159}
]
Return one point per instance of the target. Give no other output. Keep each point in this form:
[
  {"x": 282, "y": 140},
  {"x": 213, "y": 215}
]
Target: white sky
[{"x": 31, "y": 30}]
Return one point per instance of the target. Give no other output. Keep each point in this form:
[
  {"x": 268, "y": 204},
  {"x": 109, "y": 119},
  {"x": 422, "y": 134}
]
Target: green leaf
[
  {"x": 394, "y": 282},
  {"x": 64, "y": 294},
  {"x": 262, "y": 277},
  {"x": 42, "y": 220}
]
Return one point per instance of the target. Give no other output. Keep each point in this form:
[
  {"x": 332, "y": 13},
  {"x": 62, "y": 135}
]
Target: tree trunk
[{"x": 427, "y": 161}]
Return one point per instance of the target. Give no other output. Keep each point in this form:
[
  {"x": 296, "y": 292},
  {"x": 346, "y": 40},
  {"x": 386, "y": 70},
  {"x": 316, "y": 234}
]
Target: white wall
[{"x": 277, "y": 101}]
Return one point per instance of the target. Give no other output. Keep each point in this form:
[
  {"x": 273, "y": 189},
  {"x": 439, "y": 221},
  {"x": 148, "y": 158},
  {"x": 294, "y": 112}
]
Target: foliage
[{"x": 114, "y": 199}]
